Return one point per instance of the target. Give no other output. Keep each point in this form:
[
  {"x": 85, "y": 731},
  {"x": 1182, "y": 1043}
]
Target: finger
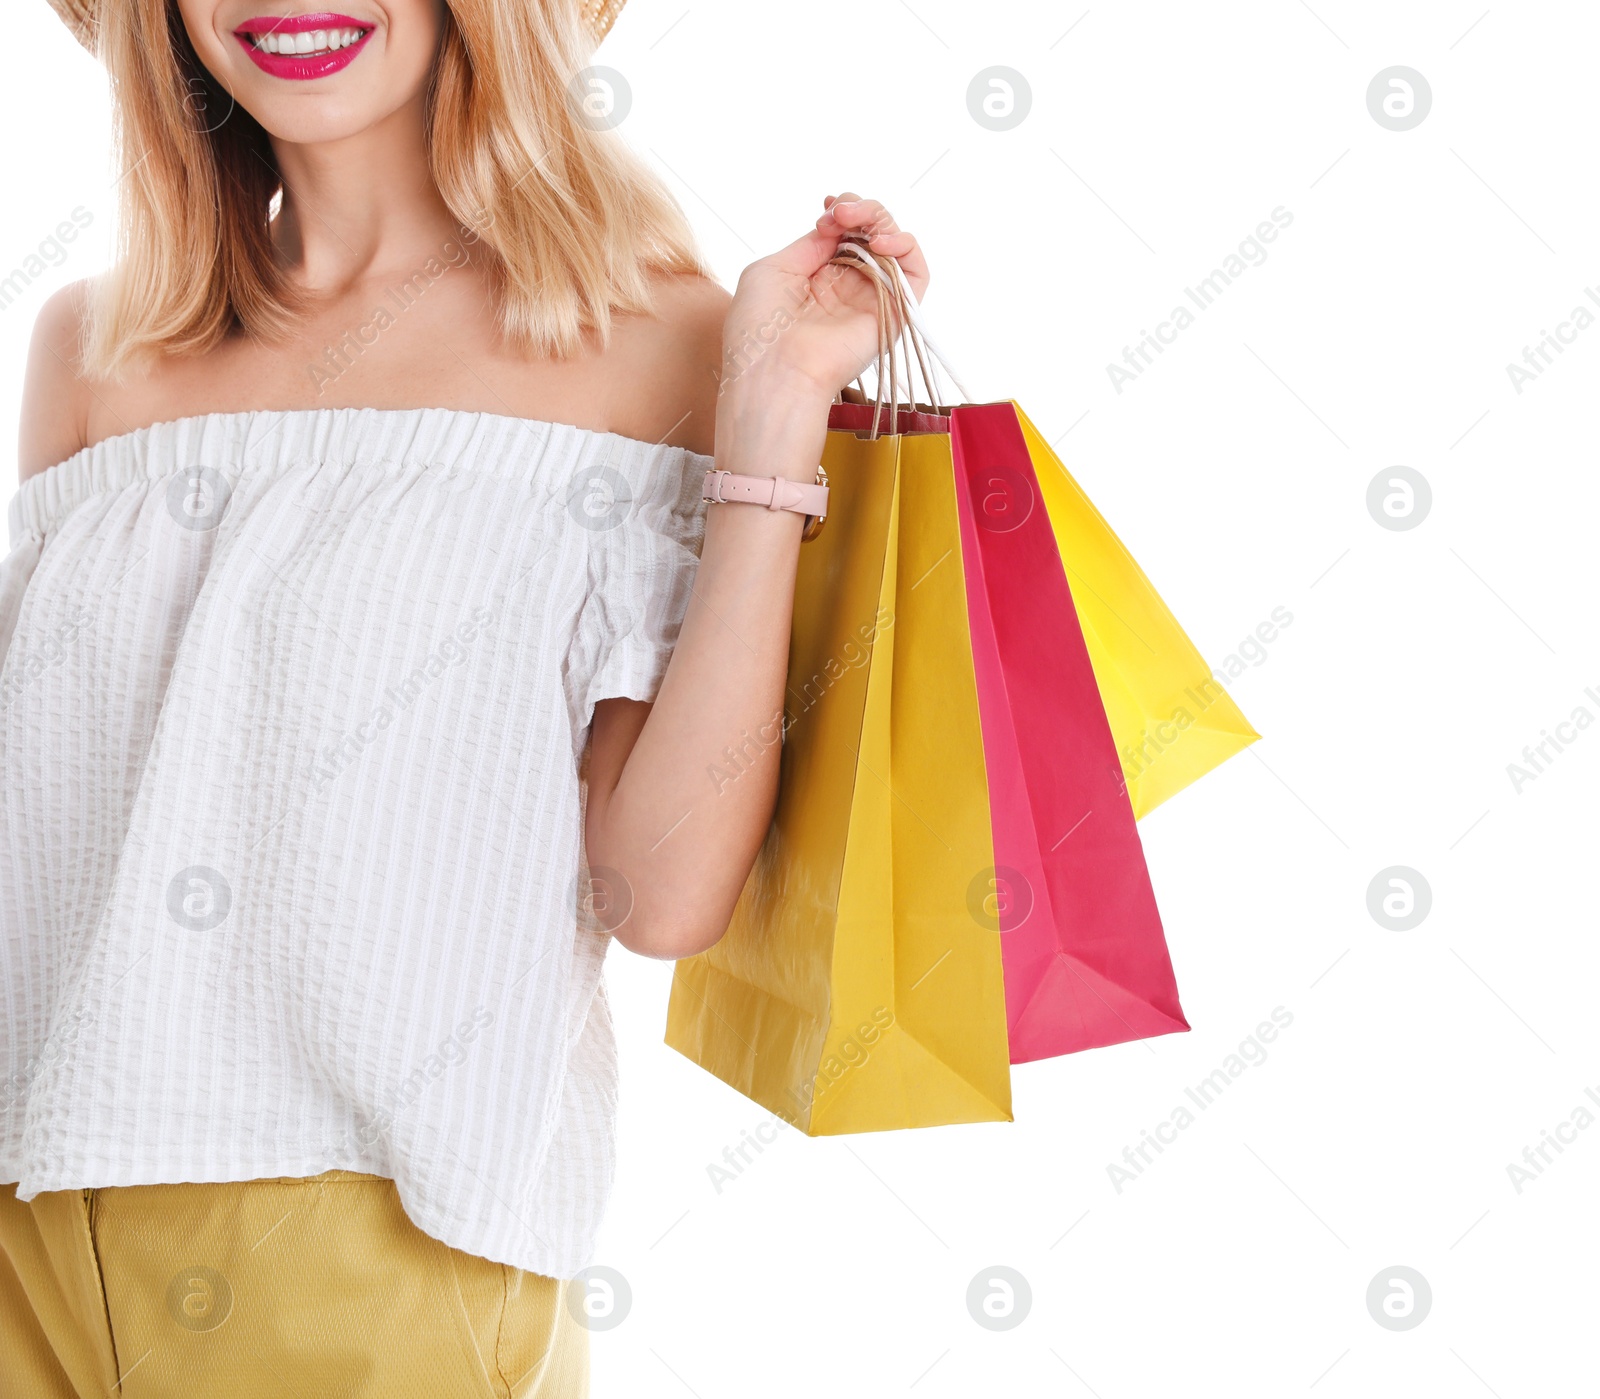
[
  {"x": 811, "y": 251},
  {"x": 853, "y": 212},
  {"x": 905, "y": 249},
  {"x": 857, "y": 215},
  {"x": 807, "y": 255},
  {"x": 887, "y": 238}
]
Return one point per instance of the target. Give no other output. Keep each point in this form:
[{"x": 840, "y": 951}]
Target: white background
[{"x": 1420, "y": 1064}]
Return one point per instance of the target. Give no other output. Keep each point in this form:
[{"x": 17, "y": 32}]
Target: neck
[{"x": 362, "y": 207}]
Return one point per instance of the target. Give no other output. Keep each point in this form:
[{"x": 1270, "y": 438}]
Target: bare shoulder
[
  {"x": 668, "y": 365},
  {"x": 55, "y": 398}
]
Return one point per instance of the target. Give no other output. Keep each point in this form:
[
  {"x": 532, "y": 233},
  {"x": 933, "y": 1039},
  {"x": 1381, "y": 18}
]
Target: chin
[{"x": 315, "y": 118}]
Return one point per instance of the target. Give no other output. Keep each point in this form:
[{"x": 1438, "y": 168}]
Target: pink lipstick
[{"x": 303, "y": 46}]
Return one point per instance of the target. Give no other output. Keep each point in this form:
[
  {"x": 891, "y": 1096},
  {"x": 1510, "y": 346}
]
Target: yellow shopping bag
[
  {"x": 854, "y": 990},
  {"x": 1170, "y": 717}
]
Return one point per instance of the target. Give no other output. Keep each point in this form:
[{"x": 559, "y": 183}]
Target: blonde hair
[{"x": 570, "y": 222}]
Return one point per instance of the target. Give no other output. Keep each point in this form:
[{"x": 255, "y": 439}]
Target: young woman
[{"x": 367, "y": 639}]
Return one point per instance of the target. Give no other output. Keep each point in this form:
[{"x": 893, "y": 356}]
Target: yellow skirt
[{"x": 317, "y": 1287}]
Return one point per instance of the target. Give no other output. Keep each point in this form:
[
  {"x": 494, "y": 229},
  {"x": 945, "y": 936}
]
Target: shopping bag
[
  {"x": 854, "y": 990},
  {"x": 1171, "y": 717},
  {"x": 913, "y": 796},
  {"x": 1084, "y": 955}
]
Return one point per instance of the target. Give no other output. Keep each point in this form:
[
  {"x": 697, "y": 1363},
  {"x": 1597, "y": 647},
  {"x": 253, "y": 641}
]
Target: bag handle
[
  {"x": 853, "y": 252},
  {"x": 890, "y": 281}
]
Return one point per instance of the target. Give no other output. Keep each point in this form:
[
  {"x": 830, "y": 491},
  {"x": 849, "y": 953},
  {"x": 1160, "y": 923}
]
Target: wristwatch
[{"x": 774, "y": 492}]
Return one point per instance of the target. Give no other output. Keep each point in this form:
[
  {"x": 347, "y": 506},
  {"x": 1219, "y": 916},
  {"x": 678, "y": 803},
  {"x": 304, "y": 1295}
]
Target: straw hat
[{"x": 81, "y": 17}]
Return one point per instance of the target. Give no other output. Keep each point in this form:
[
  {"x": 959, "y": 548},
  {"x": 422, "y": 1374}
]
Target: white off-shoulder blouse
[{"x": 293, "y": 708}]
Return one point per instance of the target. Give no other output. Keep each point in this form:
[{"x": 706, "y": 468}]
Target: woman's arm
[{"x": 658, "y": 818}]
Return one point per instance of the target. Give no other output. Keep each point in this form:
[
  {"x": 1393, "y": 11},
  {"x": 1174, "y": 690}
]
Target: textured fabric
[
  {"x": 319, "y": 1286},
  {"x": 293, "y": 712}
]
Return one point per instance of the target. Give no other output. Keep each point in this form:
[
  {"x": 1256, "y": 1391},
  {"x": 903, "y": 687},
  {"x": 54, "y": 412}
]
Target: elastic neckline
[
  {"x": 469, "y": 436},
  {"x": 162, "y": 424}
]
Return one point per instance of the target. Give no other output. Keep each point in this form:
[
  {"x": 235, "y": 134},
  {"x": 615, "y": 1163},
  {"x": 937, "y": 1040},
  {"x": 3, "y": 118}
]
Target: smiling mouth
[
  {"x": 314, "y": 44},
  {"x": 303, "y": 46}
]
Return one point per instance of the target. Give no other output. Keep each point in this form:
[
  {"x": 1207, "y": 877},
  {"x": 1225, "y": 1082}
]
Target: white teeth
[{"x": 314, "y": 41}]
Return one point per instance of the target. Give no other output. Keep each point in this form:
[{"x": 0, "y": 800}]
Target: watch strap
[{"x": 774, "y": 492}]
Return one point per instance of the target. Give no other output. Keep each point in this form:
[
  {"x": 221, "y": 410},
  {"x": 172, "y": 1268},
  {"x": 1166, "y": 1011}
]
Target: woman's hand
[{"x": 797, "y": 318}]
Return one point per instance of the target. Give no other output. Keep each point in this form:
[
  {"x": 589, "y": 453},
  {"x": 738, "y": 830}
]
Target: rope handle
[{"x": 894, "y": 291}]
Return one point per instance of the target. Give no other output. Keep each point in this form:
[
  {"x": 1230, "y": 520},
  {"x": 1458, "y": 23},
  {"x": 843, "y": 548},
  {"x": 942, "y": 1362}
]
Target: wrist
[{"x": 772, "y": 424}]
